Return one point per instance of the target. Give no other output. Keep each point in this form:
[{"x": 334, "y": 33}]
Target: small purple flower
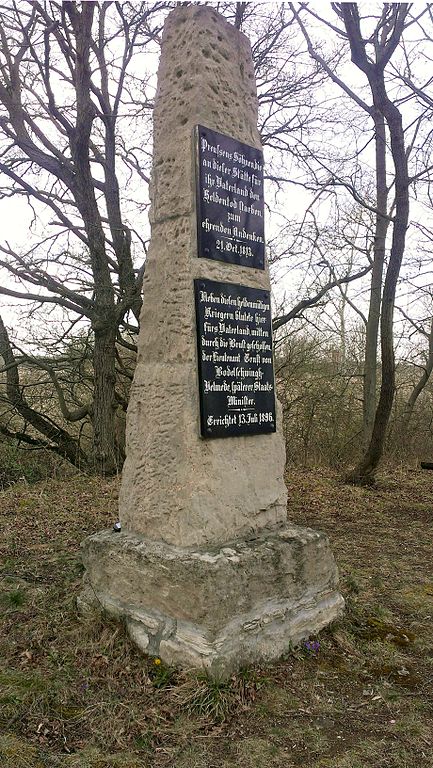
[{"x": 312, "y": 646}]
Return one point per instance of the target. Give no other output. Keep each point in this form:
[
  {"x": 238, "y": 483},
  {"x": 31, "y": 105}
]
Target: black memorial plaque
[
  {"x": 230, "y": 207},
  {"x": 235, "y": 366}
]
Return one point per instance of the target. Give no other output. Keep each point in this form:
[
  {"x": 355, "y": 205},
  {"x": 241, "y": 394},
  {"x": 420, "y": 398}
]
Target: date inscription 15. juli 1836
[
  {"x": 230, "y": 206},
  {"x": 234, "y": 359}
]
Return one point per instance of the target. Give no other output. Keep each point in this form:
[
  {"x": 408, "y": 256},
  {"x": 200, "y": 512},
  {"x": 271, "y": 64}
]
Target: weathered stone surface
[
  {"x": 216, "y": 608},
  {"x": 206, "y": 572},
  {"x": 177, "y": 487}
]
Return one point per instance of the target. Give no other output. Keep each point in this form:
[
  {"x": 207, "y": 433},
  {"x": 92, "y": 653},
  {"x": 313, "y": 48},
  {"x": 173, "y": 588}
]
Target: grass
[{"x": 75, "y": 694}]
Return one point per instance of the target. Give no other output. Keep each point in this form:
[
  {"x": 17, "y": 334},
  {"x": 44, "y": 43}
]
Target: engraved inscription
[
  {"x": 234, "y": 338},
  {"x": 230, "y": 208}
]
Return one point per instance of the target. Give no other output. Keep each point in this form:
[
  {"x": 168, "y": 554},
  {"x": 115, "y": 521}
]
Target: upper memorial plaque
[{"x": 230, "y": 207}]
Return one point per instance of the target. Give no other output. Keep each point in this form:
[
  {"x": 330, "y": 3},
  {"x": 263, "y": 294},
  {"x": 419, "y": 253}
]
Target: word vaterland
[
  {"x": 236, "y": 376},
  {"x": 234, "y": 328}
]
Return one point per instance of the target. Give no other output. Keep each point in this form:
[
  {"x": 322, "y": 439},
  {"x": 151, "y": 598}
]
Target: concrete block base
[{"x": 215, "y": 609}]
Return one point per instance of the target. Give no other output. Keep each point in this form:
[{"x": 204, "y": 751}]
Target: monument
[{"x": 206, "y": 572}]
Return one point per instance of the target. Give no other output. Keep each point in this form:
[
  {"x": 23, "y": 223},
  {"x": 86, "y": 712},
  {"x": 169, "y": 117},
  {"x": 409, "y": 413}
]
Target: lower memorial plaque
[{"x": 236, "y": 376}]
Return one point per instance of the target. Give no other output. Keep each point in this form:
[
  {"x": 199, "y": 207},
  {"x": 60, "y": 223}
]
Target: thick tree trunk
[
  {"x": 105, "y": 460},
  {"x": 104, "y": 322}
]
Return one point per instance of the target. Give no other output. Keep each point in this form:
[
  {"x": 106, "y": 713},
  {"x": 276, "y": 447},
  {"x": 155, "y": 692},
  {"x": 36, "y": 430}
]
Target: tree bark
[
  {"x": 104, "y": 324},
  {"x": 373, "y": 320},
  {"x": 364, "y": 472}
]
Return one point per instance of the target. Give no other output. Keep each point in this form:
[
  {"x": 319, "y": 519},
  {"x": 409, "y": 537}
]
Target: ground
[{"x": 78, "y": 695}]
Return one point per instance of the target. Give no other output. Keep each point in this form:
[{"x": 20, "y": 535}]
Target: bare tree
[
  {"x": 387, "y": 35},
  {"x": 73, "y": 107},
  {"x": 75, "y": 143},
  {"x": 66, "y": 85},
  {"x": 374, "y": 43}
]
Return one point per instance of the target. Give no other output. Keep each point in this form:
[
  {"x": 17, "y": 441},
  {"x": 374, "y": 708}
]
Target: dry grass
[{"x": 76, "y": 695}]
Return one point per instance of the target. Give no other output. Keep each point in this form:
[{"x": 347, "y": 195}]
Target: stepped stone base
[{"x": 216, "y": 608}]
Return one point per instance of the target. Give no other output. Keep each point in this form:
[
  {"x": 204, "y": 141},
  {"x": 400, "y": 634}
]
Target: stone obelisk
[{"x": 206, "y": 571}]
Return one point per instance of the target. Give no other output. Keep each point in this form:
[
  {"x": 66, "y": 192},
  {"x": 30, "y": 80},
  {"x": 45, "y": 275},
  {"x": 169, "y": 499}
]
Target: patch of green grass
[
  {"x": 16, "y": 598},
  {"x": 192, "y": 756},
  {"x": 162, "y": 675},
  {"x": 16, "y": 752},
  {"x": 92, "y": 757},
  {"x": 27, "y": 696},
  {"x": 22, "y": 682},
  {"x": 310, "y": 739},
  {"x": 212, "y": 699},
  {"x": 352, "y": 583},
  {"x": 144, "y": 742},
  {"x": 413, "y": 731},
  {"x": 370, "y": 752},
  {"x": 274, "y": 700},
  {"x": 416, "y": 598},
  {"x": 256, "y": 752},
  {"x": 378, "y": 651}
]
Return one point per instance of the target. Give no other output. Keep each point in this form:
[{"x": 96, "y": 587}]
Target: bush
[{"x": 19, "y": 464}]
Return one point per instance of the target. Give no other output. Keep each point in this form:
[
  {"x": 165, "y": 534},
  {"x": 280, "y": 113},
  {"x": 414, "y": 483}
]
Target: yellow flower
[{"x": 157, "y": 661}]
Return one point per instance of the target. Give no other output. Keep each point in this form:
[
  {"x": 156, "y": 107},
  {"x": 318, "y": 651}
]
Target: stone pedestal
[
  {"x": 206, "y": 572},
  {"x": 218, "y": 608}
]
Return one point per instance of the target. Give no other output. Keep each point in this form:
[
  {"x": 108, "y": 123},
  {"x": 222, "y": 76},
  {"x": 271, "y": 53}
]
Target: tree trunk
[
  {"x": 386, "y": 43},
  {"x": 104, "y": 323},
  {"x": 105, "y": 460},
  {"x": 419, "y": 386},
  {"x": 363, "y": 473},
  {"x": 372, "y": 329}
]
